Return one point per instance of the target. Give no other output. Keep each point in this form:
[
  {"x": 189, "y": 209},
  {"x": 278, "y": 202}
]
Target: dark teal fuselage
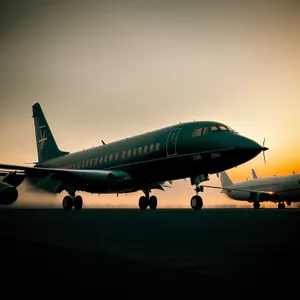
[{"x": 175, "y": 152}]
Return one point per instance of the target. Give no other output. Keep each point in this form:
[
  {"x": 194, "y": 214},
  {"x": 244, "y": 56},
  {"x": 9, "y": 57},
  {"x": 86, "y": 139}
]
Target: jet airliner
[
  {"x": 274, "y": 189},
  {"x": 140, "y": 163}
]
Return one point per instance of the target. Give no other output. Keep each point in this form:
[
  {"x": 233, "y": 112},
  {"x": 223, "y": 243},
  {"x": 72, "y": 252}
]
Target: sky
[{"x": 111, "y": 69}]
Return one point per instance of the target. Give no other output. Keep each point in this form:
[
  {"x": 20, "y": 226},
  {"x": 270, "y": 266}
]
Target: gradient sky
[{"x": 119, "y": 68}]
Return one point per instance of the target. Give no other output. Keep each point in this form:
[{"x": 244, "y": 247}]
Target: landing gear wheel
[
  {"x": 78, "y": 202},
  {"x": 196, "y": 202},
  {"x": 153, "y": 202},
  {"x": 143, "y": 202},
  {"x": 67, "y": 203},
  {"x": 256, "y": 205},
  {"x": 281, "y": 205}
]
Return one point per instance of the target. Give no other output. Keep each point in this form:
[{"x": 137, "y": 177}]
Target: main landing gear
[
  {"x": 146, "y": 201},
  {"x": 256, "y": 205},
  {"x": 281, "y": 205},
  {"x": 196, "y": 201},
  {"x": 72, "y": 201}
]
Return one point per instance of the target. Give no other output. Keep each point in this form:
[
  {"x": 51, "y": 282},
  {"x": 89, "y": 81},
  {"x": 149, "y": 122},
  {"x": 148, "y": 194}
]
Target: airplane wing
[
  {"x": 238, "y": 189},
  {"x": 52, "y": 179}
]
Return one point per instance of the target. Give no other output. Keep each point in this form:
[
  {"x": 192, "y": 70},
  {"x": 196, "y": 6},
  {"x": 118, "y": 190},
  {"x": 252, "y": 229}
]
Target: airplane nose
[
  {"x": 249, "y": 144},
  {"x": 249, "y": 148}
]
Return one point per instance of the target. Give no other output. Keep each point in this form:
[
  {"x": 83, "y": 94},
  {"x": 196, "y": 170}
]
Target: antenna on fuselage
[{"x": 103, "y": 142}]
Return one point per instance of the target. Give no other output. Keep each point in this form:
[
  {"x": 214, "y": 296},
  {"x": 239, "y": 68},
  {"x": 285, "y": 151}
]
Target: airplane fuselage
[
  {"x": 286, "y": 188},
  {"x": 169, "y": 153}
]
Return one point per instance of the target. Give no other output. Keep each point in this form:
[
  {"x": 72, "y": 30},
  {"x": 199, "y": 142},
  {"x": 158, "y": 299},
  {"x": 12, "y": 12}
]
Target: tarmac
[{"x": 169, "y": 249}]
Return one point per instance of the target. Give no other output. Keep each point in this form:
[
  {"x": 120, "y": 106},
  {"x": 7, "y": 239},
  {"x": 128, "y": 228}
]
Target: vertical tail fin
[
  {"x": 45, "y": 142},
  {"x": 225, "y": 180},
  {"x": 254, "y": 174}
]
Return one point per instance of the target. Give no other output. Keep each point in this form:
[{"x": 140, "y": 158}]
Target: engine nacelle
[
  {"x": 8, "y": 194},
  {"x": 107, "y": 178},
  {"x": 261, "y": 197}
]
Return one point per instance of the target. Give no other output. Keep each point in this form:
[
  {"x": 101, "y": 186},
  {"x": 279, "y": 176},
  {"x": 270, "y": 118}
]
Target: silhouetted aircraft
[
  {"x": 273, "y": 189},
  {"x": 139, "y": 163}
]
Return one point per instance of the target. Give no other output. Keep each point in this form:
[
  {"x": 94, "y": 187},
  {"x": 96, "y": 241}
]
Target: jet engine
[
  {"x": 8, "y": 194},
  {"x": 260, "y": 197}
]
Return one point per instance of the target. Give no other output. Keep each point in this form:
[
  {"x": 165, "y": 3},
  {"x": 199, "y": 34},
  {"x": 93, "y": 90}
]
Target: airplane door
[{"x": 172, "y": 141}]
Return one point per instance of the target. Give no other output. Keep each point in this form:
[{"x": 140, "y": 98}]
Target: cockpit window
[
  {"x": 222, "y": 127},
  {"x": 206, "y": 130}
]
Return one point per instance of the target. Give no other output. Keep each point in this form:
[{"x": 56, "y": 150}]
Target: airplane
[
  {"x": 274, "y": 189},
  {"x": 143, "y": 162}
]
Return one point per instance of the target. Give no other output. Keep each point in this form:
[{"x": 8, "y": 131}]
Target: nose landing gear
[{"x": 196, "y": 201}]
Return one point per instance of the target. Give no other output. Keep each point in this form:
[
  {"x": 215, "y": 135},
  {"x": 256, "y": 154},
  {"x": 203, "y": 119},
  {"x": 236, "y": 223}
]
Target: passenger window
[
  {"x": 116, "y": 156},
  {"x": 110, "y": 157},
  {"x": 214, "y": 128},
  {"x": 151, "y": 148},
  {"x": 123, "y": 154},
  {"x": 87, "y": 163},
  {"x": 205, "y": 130},
  {"x": 134, "y": 151},
  {"x": 197, "y": 132},
  {"x": 91, "y": 161},
  {"x": 129, "y": 152},
  {"x": 105, "y": 159},
  {"x": 157, "y": 147},
  {"x": 145, "y": 149},
  {"x": 101, "y": 160},
  {"x": 96, "y": 160},
  {"x": 83, "y": 164},
  {"x": 140, "y": 150}
]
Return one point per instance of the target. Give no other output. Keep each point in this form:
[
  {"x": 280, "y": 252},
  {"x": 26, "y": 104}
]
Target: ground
[{"x": 231, "y": 249}]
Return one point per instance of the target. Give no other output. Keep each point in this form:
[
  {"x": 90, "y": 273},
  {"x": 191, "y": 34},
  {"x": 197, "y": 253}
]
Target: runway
[{"x": 175, "y": 247}]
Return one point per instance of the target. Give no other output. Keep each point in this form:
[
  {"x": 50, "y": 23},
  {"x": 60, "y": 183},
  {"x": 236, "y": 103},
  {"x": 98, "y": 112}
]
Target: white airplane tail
[
  {"x": 225, "y": 181},
  {"x": 254, "y": 174}
]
